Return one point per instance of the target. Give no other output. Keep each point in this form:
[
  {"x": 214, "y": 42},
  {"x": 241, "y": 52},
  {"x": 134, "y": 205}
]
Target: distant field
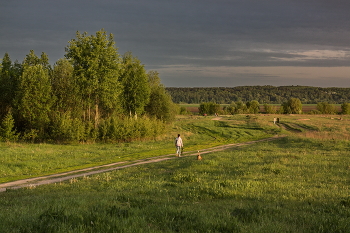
[{"x": 306, "y": 107}]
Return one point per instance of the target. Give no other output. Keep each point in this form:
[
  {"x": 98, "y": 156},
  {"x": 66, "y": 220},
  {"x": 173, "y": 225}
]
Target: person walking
[{"x": 178, "y": 145}]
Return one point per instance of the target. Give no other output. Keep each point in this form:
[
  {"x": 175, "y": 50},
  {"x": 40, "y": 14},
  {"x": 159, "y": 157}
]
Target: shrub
[
  {"x": 30, "y": 135},
  {"x": 253, "y": 107},
  {"x": 292, "y": 106},
  {"x": 314, "y": 112},
  {"x": 326, "y": 108},
  {"x": 183, "y": 111},
  {"x": 66, "y": 128},
  {"x": 130, "y": 129},
  {"x": 345, "y": 108},
  {"x": 209, "y": 108},
  {"x": 269, "y": 109},
  {"x": 7, "y": 131}
]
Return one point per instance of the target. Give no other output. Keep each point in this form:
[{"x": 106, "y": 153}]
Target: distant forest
[{"x": 262, "y": 94}]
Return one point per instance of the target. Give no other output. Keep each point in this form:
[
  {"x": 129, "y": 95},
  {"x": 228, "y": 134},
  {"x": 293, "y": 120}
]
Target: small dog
[{"x": 199, "y": 157}]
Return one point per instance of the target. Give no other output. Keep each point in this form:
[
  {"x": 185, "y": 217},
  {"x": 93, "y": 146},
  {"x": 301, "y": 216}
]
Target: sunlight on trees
[{"x": 88, "y": 95}]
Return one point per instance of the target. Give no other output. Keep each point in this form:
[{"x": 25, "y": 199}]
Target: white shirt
[{"x": 178, "y": 142}]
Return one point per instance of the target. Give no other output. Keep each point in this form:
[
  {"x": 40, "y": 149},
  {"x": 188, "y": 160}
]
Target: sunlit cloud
[{"x": 315, "y": 55}]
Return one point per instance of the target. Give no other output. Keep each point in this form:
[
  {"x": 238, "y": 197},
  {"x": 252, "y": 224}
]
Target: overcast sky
[{"x": 197, "y": 43}]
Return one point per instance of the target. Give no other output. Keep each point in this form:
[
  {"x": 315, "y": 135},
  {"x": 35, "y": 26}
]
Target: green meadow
[{"x": 297, "y": 183}]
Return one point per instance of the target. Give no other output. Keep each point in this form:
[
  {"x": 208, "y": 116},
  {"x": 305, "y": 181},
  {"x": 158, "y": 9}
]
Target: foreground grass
[
  {"x": 19, "y": 161},
  {"x": 295, "y": 184},
  {"x": 289, "y": 185}
]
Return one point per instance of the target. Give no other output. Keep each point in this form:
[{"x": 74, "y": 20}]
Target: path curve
[{"x": 57, "y": 178}]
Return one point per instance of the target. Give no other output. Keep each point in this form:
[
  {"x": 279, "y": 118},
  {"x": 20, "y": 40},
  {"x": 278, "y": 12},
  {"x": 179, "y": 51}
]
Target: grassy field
[
  {"x": 18, "y": 161},
  {"x": 299, "y": 183}
]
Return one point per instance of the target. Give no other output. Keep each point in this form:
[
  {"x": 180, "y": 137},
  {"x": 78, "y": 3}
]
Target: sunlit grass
[
  {"x": 289, "y": 185},
  {"x": 19, "y": 160},
  {"x": 299, "y": 183}
]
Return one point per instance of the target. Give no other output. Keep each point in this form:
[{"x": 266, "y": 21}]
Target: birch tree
[
  {"x": 160, "y": 105},
  {"x": 96, "y": 68},
  {"x": 135, "y": 87},
  {"x": 7, "y": 85},
  {"x": 34, "y": 98}
]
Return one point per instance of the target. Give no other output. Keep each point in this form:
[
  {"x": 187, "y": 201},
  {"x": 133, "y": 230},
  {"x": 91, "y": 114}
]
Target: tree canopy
[
  {"x": 262, "y": 94},
  {"x": 96, "y": 68},
  {"x": 135, "y": 86},
  {"x": 292, "y": 106},
  {"x": 91, "y": 94}
]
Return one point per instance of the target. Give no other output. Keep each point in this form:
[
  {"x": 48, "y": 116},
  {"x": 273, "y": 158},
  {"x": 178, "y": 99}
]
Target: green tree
[
  {"x": 209, "y": 108},
  {"x": 326, "y": 108},
  {"x": 241, "y": 107},
  {"x": 96, "y": 64},
  {"x": 253, "y": 107},
  {"x": 232, "y": 108},
  {"x": 65, "y": 89},
  {"x": 292, "y": 106},
  {"x": 345, "y": 108},
  {"x": 34, "y": 98},
  {"x": 160, "y": 105},
  {"x": 183, "y": 110},
  {"x": 31, "y": 59},
  {"x": 270, "y": 109},
  {"x": 7, "y": 131},
  {"x": 135, "y": 86},
  {"x": 7, "y": 85}
]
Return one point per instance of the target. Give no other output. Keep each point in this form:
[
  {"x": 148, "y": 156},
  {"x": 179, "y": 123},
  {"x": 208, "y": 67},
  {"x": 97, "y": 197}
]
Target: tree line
[
  {"x": 93, "y": 93},
  {"x": 262, "y": 94},
  {"x": 292, "y": 106}
]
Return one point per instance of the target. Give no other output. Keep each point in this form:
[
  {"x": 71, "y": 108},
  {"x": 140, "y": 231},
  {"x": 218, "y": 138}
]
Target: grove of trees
[{"x": 92, "y": 93}]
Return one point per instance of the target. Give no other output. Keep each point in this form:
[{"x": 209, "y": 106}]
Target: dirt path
[{"x": 57, "y": 178}]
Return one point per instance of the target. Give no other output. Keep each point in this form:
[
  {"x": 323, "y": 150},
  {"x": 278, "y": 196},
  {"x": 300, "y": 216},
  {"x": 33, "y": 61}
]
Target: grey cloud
[{"x": 200, "y": 33}]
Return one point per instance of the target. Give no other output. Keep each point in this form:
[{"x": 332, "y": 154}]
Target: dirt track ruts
[{"x": 57, "y": 178}]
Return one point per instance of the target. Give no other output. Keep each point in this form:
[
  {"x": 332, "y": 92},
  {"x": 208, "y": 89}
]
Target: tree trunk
[{"x": 96, "y": 116}]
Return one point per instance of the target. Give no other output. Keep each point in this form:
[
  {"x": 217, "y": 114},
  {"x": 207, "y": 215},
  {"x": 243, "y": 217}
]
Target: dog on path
[{"x": 199, "y": 157}]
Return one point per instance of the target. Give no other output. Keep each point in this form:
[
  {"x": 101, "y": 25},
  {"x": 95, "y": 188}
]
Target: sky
[{"x": 196, "y": 43}]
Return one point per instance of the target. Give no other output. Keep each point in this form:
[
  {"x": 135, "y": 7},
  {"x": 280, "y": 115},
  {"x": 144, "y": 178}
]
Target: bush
[
  {"x": 7, "y": 131},
  {"x": 66, "y": 128},
  {"x": 270, "y": 109},
  {"x": 292, "y": 106},
  {"x": 326, "y": 108},
  {"x": 314, "y": 112},
  {"x": 30, "y": 135},
  {"x": 345, "y": 108},
  {"x": 130, "y": 129},
  {"x": 209, "y": 108},
  {"x": 253, "y": 107},
  {"x": 183, "y": 111}
]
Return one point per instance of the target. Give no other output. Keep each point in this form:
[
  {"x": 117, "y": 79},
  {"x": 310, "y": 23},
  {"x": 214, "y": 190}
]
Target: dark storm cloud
[{"x": 190, "y": 35}]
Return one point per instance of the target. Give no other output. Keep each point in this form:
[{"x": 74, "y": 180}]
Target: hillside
[{"x": 263, "y": 94}]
